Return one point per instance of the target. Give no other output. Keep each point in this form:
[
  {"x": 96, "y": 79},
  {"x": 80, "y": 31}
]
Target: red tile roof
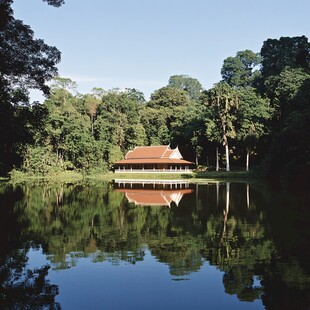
[
  {"x": 153, "y": 161},
  {"x": 152, "y": 197},
  {"x": 168, "y": 153},
  {"x": 159, "y": 154},
  {"x": 147, "y": 152}
]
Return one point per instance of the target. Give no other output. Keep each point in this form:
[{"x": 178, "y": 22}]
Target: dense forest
[{"x": 257, "y": 115}]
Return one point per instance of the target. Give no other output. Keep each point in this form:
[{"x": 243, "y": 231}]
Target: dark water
[{"x": 118, "y": 246}]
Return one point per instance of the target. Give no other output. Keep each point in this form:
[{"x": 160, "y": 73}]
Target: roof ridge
[
  {"x": 167, "y": 146},
  {"x": 151, "y": 146}
]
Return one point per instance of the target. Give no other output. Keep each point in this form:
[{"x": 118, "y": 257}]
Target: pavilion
[{"x": 147, "y": 159}]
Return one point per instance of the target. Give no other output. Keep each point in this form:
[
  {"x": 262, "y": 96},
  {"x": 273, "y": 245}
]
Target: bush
[{"x": 39, "y": 161}]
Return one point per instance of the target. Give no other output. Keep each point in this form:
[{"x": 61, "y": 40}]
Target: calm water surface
[{"x": 153, "y": 246}]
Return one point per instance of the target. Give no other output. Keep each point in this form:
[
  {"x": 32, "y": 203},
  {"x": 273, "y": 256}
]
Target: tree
[
  {"x": 68, "y": 130},
  {"x": 19, "y": 126},
  {"x": 289, "y": 154},
  {"x": 282, "y": 55},
  {"x": 282, "y": 89},
  {"x": 25, "y": 62},
  {"x": 222, "y": 100},
  {"x": 290, "y": 55},
  {"x": 184, "y": 82},
  {"x": 253, "y": 114},
  {"x": 196, "y": 145},
  {"x": 117, "y": 123},
  {"x": 98, "y": 92},
  {"x": 154, "y": 122},
  {"x": 63, "y": 88},
  {"x": 187, "y": 129},
  {"x": 91, "y": 104},
  {"x": 6, "y": 12},
  {"x": 213, "y": 133},
  {"x": 162, "y": 112},
  {"x": 168, "y": 97},
  {"x": 239, "y": 70},
  {"x": 62, "y": 109},
  {"x": 56, "y": 3},
  {"x": 285, "y": 80},
  {"x": 285, "y": 52}
]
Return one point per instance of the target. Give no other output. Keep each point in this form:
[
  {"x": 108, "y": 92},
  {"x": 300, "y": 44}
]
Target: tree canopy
[
  {"x": 240, "y": 70},
  {"x": 184, "y": 82},
  {"x": 26, "y": 62},
  {"x": 292, "y": 52}
]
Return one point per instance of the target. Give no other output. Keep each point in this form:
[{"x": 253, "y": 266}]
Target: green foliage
[
  {"x": 222, "y": 102},
  {"x": 55, "y": 3},
  {"x": 285, "y": 69},
  {"x": 239, "y": 70},
  {"x": 115, "y": 153},
  {"x": 39, "y": 160},
  {"x": 155, "y": 123},
  {"x": 184, "y": 82},
  {"x": 168, "y": 97},
  {"x": 20, "y": 126},
  {"x": 117, "y": 124},
  {"x": 25, "y": 62},
  {"x": 285, "y": 52},
  {"x": 254, "y": 114}
]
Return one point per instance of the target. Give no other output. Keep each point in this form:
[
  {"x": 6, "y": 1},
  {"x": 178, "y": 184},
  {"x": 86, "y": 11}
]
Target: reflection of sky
[
  {"x": 257, "y": 281},
  {"x": 145, "y": 285}
]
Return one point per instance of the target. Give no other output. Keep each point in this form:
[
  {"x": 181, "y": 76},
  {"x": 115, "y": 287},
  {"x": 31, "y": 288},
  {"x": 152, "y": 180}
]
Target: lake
[{"x": 177, "y": 245}]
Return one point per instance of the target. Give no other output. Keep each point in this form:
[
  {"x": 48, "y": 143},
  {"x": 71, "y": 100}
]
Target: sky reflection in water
[
  {"x": 145, "y": 285},
  {"x": 217, "y": 246}
]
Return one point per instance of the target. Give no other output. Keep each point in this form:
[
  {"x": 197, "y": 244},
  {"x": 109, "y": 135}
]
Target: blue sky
[{"x": 141, "y": 43}]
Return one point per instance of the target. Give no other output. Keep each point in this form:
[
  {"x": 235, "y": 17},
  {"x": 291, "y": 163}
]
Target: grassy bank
[
  {"x": 71, "y": 177},
  {"x": 59, "y": 177}
]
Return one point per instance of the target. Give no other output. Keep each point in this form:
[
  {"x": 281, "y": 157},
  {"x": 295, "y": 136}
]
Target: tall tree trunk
[
  {"x": 227, "y": 196},
  {"x": 247, "y": 165},
  {"x": 197, "y": 193},
  {"x": 196, "y": 160},
  {"x": 225, "y": 143},
  {"x": 227, "y": 156},
  {"x": 226, "y": 211},
  {"x": 217, "y": 159},
  {"x": 248, "y": 195}
]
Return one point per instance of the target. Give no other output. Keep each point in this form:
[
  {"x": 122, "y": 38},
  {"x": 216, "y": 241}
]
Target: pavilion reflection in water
[{"x": 153, "y": 192}]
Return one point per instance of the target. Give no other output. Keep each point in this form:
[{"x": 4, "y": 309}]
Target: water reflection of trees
[
  {"x": 232, "y": 226},
  {"x": 236, "y": 240},
  {"x": 21, "y": 287}
]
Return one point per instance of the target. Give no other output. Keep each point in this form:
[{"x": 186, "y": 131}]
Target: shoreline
[{"x": 194, "y": 177}]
